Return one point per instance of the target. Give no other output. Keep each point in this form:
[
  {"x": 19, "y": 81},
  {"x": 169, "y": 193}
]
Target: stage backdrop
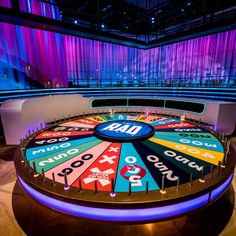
[
  {"x": 44, "y": 8},
  {"x": 33, "y": 58}
]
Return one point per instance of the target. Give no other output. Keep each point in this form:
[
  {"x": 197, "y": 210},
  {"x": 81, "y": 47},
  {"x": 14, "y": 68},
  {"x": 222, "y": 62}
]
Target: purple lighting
[
  {"x": 5, "y": 3},
  {"x": 112, "y": 194},
  {"x": 58, "y": 60},
  {"x": 66, "y": 188},
  {"x": 42, "y": 50},
  {"x": 218, "y": 191},
  {"x": 42, "y": 8},
  {"x": 122, "y": 215}
]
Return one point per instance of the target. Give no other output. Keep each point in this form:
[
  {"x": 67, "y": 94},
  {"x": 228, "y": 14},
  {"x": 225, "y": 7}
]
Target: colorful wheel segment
[
  {"x": 125, "y": 167},
  {"x": 127, "y": 149}
]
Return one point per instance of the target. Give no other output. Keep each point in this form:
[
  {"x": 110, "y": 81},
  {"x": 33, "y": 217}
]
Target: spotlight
[
  {"x": 28, "y": 67},
  {"x": 75, "y": 21},
  {"x": 103, "y": 26},
  {"x": 182, "y": 10},
  {"x": 152, "y": 18},
  {"x": 189, "y": 3}
]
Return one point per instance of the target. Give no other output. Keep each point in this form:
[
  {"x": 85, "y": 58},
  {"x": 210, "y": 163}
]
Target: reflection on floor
[{"x": 21, "y": 215}]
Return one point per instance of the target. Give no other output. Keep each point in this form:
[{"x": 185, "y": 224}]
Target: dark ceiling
[
  {"x": 137, "y": 23},
  {"x": 148, "y": 20}
]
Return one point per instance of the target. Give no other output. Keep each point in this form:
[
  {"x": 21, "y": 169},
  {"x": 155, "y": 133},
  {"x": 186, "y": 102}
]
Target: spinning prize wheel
[{"x": 125, "y": 167}]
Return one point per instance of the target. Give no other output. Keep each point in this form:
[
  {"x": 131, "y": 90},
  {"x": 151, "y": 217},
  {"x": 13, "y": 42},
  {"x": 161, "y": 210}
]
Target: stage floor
[
  {"x": 24, "y": 216},
  {"x": 158, "y": 167}
]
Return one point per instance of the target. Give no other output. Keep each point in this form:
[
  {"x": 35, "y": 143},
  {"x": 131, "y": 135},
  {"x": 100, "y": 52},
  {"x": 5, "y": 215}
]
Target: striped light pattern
[
  {"x": 43, "y": 8},
  {"x": 53, "y": 59},
  {"x": 210, "y": 57},
  {"x": 31, "y": 53}
]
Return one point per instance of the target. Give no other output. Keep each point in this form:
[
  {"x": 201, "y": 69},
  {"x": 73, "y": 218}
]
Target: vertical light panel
[
  {"x": 34, "y": 58},
  {"x": 200, "y": 60},
  {"x": 206, "y": 58},
  {"x": 31, "y": 57},
  {"x": 42, "y": 8}
]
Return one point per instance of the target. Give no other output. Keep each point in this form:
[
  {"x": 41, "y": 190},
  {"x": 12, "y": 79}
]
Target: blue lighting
[
  {"x": 125, "y": 215},
  {"x": 119, "y": 215},
  {"x": 218, "y": 191},
  {"x": 221, "y": 95},
  {"x": 75, "y": 21}
]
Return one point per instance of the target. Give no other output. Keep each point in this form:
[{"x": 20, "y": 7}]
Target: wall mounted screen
[
  {"x": 109, "y": 102},
  {"x": 146, "y": 102},
  {"x": 186, "y": 106}
]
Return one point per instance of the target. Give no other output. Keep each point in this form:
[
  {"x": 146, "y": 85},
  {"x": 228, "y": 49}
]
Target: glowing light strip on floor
[
  {"x": 217, "y": 192},
  {"x": 123, "y": 215}
]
